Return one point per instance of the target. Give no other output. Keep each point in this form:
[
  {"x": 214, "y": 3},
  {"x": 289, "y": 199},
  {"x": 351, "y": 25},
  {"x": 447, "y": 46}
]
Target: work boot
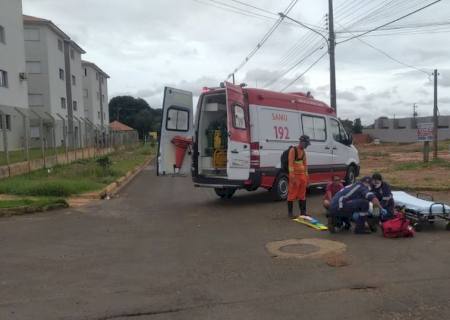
[
  {"x": 290, "y": 205},
  {"x": 362, "y": 231},
  {"x": 302, "y": 206}
]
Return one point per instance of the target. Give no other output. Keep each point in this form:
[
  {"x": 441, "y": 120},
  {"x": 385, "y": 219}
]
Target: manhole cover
[
  {"x": 305, "y": 248},
  {"x": 299, "y": 248}
]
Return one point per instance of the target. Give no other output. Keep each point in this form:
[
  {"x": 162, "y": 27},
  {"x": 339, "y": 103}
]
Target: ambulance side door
[
  {"x": 177, "y": 120},
  {"x": 238, "y": 153}
]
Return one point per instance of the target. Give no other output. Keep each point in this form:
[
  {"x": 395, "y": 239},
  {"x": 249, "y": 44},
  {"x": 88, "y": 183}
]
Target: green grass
[
  {"x": 38, "y": 203},
  {"x": 78, "y": 177},
  {"x": 417, "y": 165}
]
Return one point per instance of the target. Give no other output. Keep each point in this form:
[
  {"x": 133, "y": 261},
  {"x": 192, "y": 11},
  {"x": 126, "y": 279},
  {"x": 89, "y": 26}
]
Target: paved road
[{"x": 165, "y": 250}]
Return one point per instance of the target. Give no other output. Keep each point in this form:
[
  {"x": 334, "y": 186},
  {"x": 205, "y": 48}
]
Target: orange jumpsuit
[{"x": 298, "y": 175}]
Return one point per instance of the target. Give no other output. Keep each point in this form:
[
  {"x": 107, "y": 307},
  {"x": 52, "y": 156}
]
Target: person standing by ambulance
[{"x": 298, "y": 176}]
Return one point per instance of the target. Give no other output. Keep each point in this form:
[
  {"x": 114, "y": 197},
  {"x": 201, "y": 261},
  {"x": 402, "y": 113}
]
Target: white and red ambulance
[{"x": 239, "y": 134}]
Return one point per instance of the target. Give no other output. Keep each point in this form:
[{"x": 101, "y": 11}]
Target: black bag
[{"x": 285, "y": 159}]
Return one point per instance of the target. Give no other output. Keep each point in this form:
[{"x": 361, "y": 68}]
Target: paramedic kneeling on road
[
  {"x": 382, "y": 191},
  {"x": 298, "y": 176},
  {"x": 353, "y": 201}
]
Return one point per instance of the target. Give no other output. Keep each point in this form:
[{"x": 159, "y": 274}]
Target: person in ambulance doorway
[
  {"x": 298, "y": 176},
  {"x": 332, "y": 188},
  {"x": 382, "y": 191},
  {"x": 354, "y": 202}
]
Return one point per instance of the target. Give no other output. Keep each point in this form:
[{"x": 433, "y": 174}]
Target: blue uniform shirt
[
  {"x": 355, "y": 191},
  {"x": 383, "y": 193}
]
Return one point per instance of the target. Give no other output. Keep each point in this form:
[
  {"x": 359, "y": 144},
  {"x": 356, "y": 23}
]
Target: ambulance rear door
[{"x": 177, "y": 120}]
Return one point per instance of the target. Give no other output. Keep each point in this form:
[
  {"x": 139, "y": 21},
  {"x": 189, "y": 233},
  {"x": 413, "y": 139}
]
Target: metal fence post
[
  {"x": 26, "y": 136},
  {"x": 55, "y": 152},
  {"x": 80, "y": 140},
  {"x": 64, "y": 136},
  {"x": 5, "y": 139},
  {"x": 41, "y": 135}
]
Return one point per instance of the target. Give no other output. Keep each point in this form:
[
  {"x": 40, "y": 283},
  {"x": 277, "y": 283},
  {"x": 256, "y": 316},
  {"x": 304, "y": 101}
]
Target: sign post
[{"x": 425, "y": 134}]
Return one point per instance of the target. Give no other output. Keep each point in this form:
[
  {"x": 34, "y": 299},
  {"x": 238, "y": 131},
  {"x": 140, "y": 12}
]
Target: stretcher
[{"x": 420, "y": 210}]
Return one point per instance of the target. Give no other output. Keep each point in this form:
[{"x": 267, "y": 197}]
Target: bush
[{"x": 104, "y": 162}]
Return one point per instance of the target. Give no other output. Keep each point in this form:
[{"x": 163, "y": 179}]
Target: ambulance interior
[{"x": 213, "y": 136}]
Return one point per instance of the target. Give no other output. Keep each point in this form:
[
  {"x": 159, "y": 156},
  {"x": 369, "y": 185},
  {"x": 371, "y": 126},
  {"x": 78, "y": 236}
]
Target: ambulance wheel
[
  {"x": 350, "y": 177},
  {"x": 225, "y": 193},
  {"x": 280, "y": 187}
]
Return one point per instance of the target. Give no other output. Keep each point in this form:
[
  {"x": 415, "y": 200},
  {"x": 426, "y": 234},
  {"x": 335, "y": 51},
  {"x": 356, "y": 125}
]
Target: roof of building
[
  {"x": 54, "y": 27},
  {"x": 94, "y": 66},
  {"x": 119, "y": 126}
]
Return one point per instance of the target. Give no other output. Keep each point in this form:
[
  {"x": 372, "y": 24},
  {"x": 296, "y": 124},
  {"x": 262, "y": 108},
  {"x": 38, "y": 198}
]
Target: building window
[
  {"x": 2, "y": 35},
  {"x": 31, "y": 34},
  {"x": 239, "y": 117},
  {"x": 63, "y": 103},
  {"x": 33, "y": 67},
  {"x": 60, "y": 45},
  {"x": 99, "y": 114},
  {"x": 3, "y": 79},
  {"x": 61, "y": 74},
  {"x": 74, "y": 80},
  {"x": 75, "y": 105},
  {"x": 8, "y": 122},
  {"x": 35, "y": 100},
  {"x": 85, "y": 93},
  {"x": 85, "y": 72},
  {"x": 72, "y": 54}
]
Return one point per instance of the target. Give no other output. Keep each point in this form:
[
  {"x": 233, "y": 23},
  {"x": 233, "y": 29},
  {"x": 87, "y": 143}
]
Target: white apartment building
[
  {"x": 55, "y": 81},
  {"x": 13, "y": 84},
  {"x": 95, "y": 93}
]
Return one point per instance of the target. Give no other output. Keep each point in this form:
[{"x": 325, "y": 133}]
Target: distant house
[
  {"x": 404, "y": 129},
  {"x": 119, "y": 126}
]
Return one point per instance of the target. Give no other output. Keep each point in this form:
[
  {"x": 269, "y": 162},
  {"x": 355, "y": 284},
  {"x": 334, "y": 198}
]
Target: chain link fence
[{"x": 32, "y": 140}]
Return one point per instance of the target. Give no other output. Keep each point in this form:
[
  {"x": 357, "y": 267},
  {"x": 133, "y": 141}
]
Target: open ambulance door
[
  {"x": 177, "y": 120},
  {"x": 238, "y": 153}
]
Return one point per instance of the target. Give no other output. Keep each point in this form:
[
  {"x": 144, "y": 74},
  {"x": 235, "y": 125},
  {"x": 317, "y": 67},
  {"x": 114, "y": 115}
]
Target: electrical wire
[
  {"x": 264, "y": 39},
  {"x": 390, "y": 57},
  {"x": 399, "y": 27},
  {"x": 304, "y": 72},
  {"x": 390, "y": 22}
]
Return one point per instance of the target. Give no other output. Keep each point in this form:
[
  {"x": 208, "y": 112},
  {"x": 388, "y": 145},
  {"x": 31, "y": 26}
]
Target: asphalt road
[{"x": 166, "y": 250}]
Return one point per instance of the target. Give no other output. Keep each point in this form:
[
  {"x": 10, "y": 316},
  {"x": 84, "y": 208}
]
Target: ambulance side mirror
[{"x": 349, "y": 140}]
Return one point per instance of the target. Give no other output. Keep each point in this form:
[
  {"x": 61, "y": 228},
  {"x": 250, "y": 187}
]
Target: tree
[
  {"x": 357, "y": 126},
  {"x": 135, "y": 113},
  {"x": 347, "y": 124}
]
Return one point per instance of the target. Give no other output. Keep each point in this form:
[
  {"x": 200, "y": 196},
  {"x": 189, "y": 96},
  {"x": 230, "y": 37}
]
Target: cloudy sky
[{"x": 148, "y": 44}]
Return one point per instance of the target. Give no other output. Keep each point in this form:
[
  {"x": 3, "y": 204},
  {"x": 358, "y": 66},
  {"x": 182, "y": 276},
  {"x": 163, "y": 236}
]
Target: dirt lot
[{"x": 402, "y": 165}]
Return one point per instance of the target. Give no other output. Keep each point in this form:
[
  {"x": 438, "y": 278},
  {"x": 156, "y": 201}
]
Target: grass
[
  {"x": 78, "y": 177},
  {"x": 36, "y": 203},
  {"x": 418, "y": 165}
]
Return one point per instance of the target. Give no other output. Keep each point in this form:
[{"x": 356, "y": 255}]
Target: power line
[
  {"x": 300, "y": 61},
  {"x": 389, "y": 56},
  {"x": 264, "y": 39},
  {"x": 399, "y": 27},
  {"x": 254, "y": 7},
  {"x": 240, "y": 12},
  {"x": 388, "y": 23},
  {"x": 304, "y": 72}
]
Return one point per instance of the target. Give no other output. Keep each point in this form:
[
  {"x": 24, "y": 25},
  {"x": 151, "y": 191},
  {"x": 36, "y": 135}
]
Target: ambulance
[{"x": 239, "y": 134}]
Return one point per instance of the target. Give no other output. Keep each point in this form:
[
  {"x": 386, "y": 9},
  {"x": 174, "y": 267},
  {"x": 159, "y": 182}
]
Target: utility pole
[
  {"x": 332, "y": 43},
  {"x": 435, "y": 116}
]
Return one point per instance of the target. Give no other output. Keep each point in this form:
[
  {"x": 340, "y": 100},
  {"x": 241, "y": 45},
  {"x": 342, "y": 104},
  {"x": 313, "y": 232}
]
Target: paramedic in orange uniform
[{"x": 298, "y": 177}]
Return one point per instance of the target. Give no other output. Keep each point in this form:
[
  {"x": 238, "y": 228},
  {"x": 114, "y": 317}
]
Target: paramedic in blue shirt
[
  {"x": 353, "y": 202},
  {"x": 382, "y": 191}
]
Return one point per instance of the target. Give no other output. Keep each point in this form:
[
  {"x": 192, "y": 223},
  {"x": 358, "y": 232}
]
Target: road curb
[{"x": 17, "y": 211}]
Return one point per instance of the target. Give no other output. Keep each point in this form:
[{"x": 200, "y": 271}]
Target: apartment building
[
  {"x": 13, "y": 84},
  {"x": 55, "y": 82},
  {"x": 95, "y": 94}
]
